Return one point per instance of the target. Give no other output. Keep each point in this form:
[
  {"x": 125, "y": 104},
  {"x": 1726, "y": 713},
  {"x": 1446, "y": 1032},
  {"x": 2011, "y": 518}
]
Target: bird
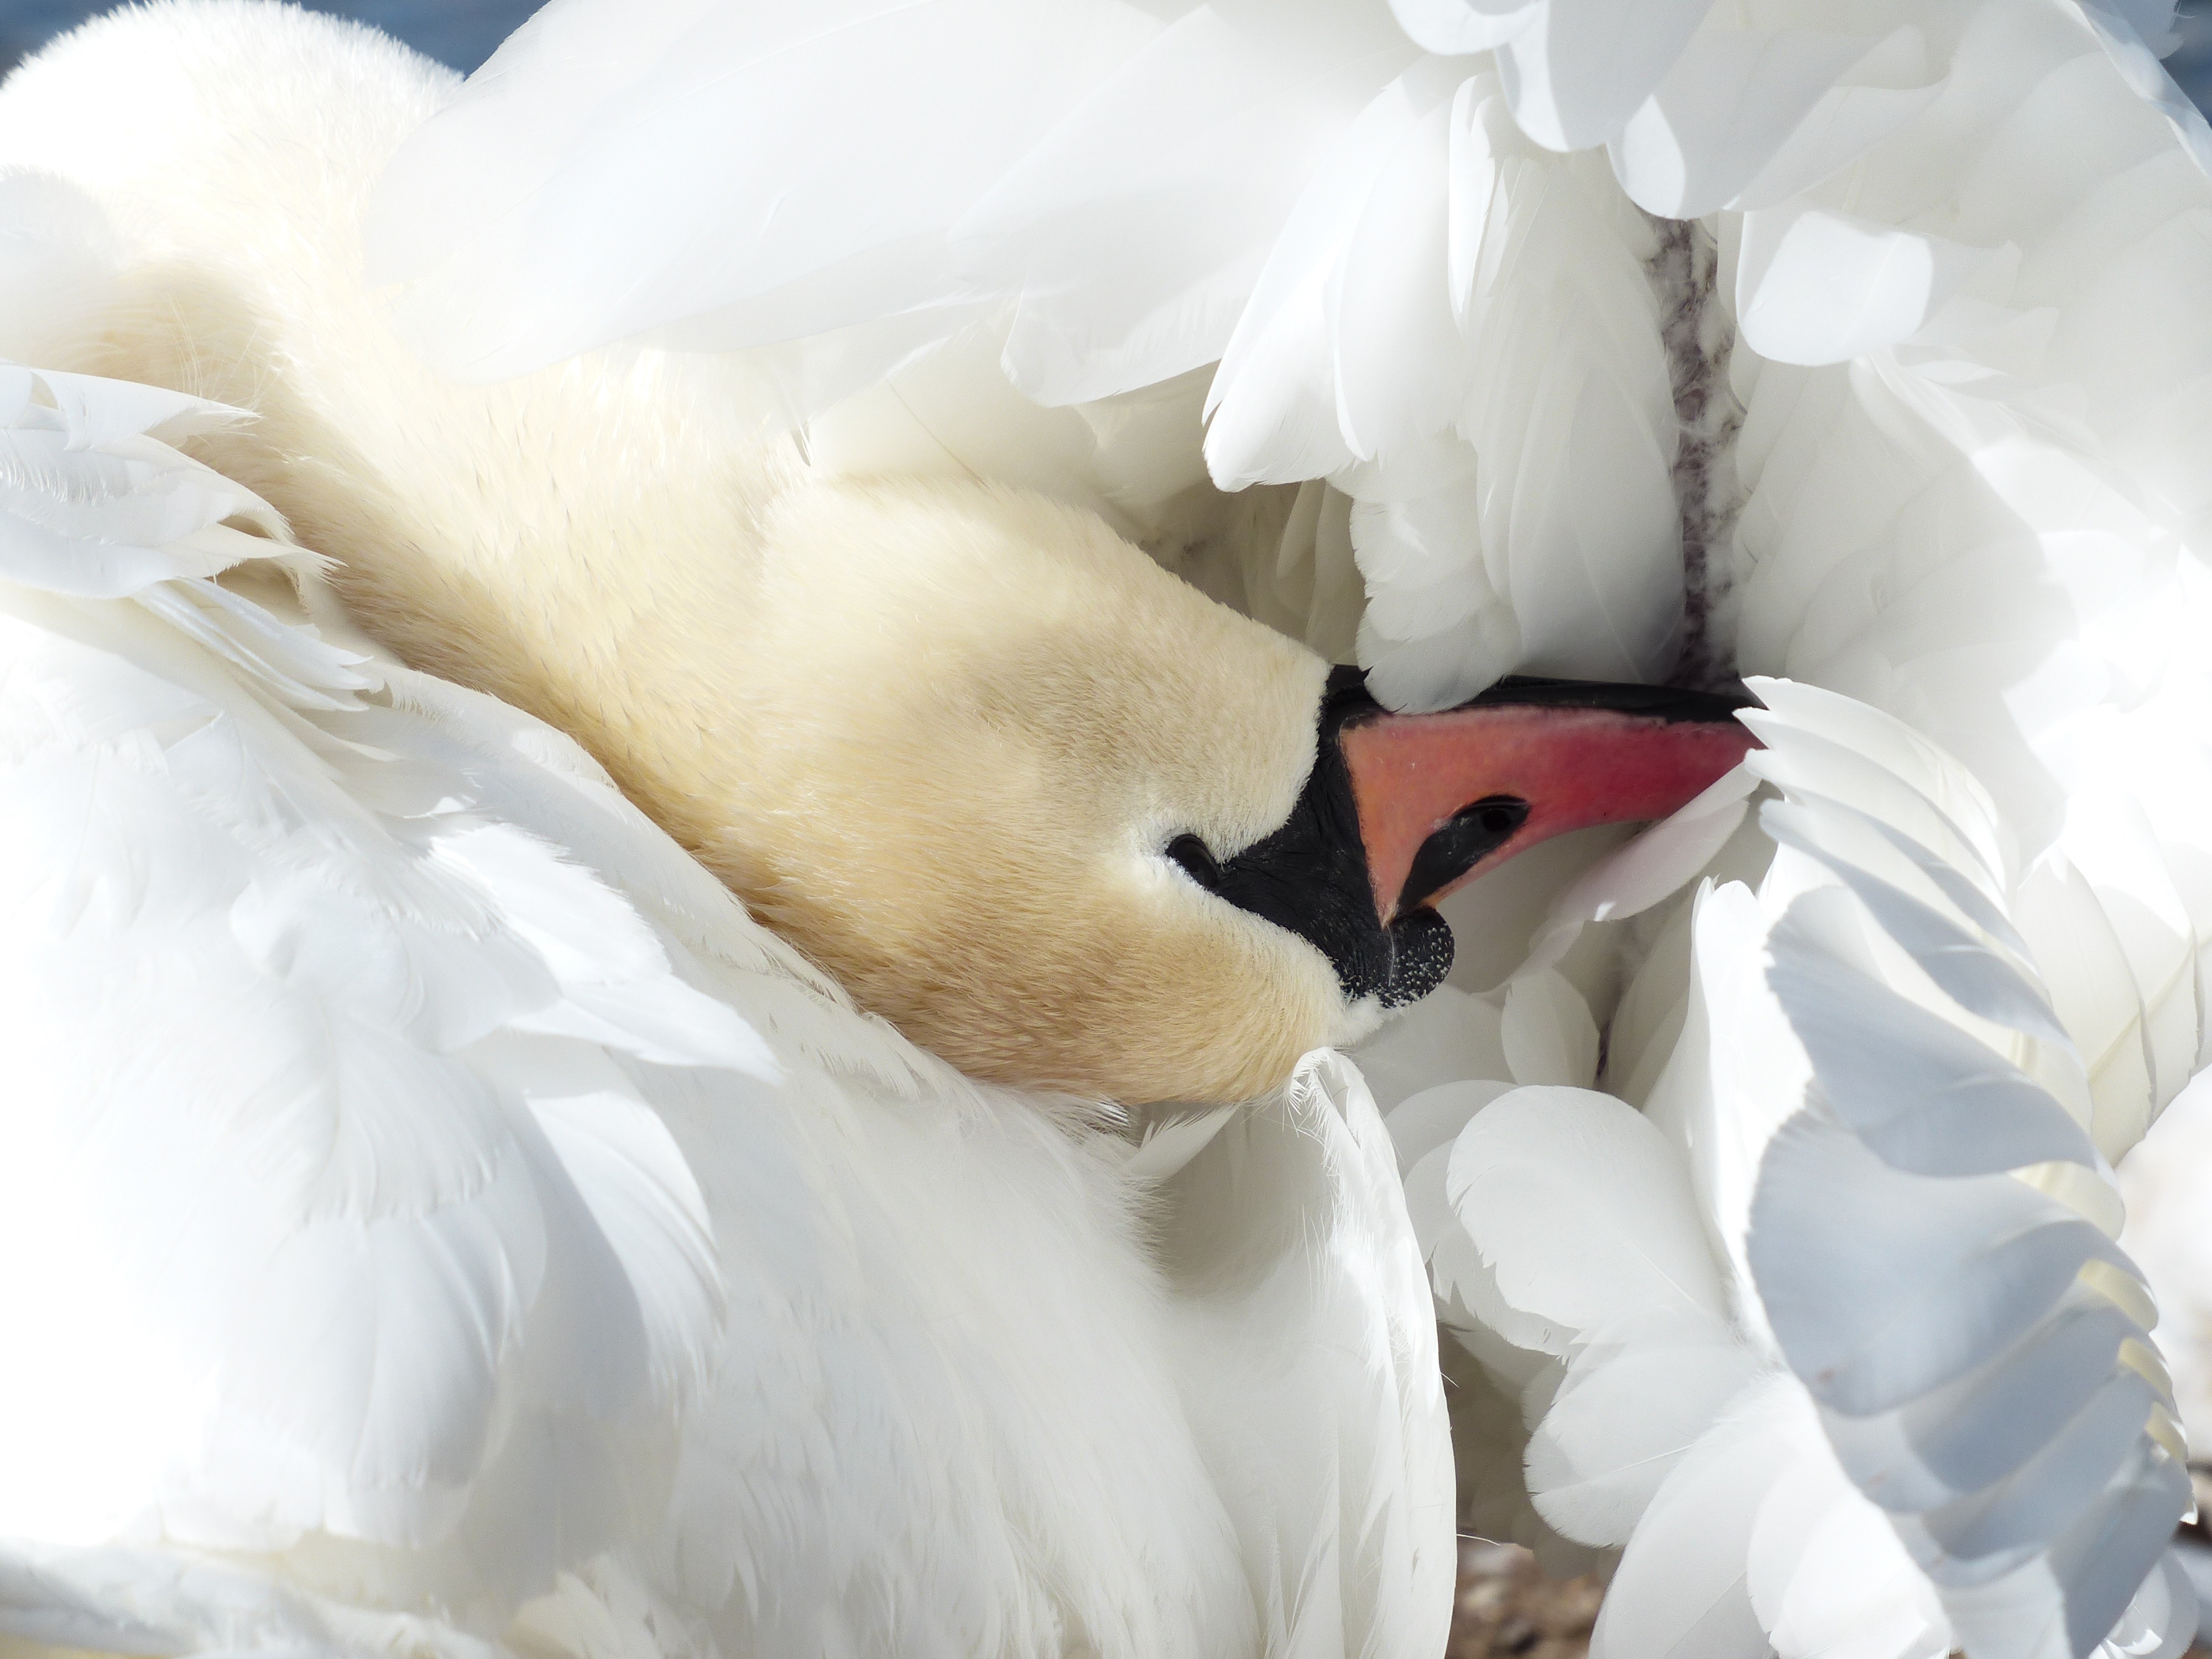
[
  {"x": 1636, "y": 343},
  {"x": 547, "y": 1253},
  {"x": 446, "y": 1218},
  {"x": 734, "y": 638},
  {"x": 1855, "y": 348}
]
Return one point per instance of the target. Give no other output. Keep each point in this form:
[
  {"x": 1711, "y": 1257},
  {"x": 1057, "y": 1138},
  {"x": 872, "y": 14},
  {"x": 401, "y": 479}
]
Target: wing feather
[{"x": 263, "y": 996}]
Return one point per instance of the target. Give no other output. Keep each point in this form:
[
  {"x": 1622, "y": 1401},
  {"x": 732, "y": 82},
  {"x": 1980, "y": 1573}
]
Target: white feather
[
  {"x": 427, "y": 1182},
  {"x": 1957, "y": 264}
]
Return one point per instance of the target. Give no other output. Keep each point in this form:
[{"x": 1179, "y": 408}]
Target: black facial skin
[
  {"x": 1311, "y": 877},
  {"x": 1465, "y": 838}
]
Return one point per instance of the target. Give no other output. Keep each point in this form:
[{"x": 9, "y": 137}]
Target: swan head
[
  {"x": 1070, "y": 824},
  {"x": 1064, "y": 820}
]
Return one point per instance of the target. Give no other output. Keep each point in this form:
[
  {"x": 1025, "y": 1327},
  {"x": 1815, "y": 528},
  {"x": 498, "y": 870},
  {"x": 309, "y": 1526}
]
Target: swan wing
[
  {"x": 1412, "y": 292},
  {"x": 335, "y": 1208},
  {"x": 1291, "y": 193},
  {"x": 825, "y": 188},
  {"x": 1939, "y": 1106},
  {"x": 1841, "y": 1306},
  {"x": 1372, "y": 232}
]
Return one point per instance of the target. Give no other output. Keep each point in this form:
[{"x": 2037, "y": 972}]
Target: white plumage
[
  {"x": 442, "y": 1217},
  {"x": 1782, "y": 1207}
]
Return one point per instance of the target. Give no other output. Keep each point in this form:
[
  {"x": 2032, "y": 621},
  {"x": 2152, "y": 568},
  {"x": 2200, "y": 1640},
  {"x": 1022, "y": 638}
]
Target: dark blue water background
[{"x": 461, "y": 33}]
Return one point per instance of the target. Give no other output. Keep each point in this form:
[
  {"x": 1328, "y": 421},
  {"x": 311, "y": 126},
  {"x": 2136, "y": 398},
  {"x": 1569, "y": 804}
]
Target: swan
[
  {"x": 736, "y": 641},
  {"x": 1895, "y": 399},
  {"x": 513, "y": 1241},
  {"x": 1852, "y": 344}
]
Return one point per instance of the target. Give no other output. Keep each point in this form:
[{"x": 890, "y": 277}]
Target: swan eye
[{"x": 1197, "y": 860}]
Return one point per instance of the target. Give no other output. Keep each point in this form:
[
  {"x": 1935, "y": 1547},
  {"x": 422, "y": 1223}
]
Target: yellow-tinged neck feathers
[
  {"x": 937, "y": 734},
  {"x": 1066, "y": 821}
]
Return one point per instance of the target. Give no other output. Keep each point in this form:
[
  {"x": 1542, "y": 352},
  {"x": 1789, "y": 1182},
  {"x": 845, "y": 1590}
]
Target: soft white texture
[
  {"x": 1956, "y": 251},
  {"x": 1939, "y": 351},
  {"x": 1729, "y": 1317},
  {"x": 421, "y": 1178},
  {"x": 1384, "y": 263}
]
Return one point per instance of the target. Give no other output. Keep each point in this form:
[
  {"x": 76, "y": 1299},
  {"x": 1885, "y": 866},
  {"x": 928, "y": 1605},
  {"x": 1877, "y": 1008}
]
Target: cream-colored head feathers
[
  {"x": 982, "y": 717},
  {"x": 938, "y": 734}
]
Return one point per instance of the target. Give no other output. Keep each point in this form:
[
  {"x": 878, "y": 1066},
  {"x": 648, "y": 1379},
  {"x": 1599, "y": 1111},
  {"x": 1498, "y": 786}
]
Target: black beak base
[{"x": 1312, "y": 876}]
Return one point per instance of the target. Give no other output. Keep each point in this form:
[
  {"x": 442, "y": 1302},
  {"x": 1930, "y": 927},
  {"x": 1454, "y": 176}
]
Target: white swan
[
  {"x": 469, "y": 1269},
  {"x": 1934, "y": 356},
  {"x": 855, "y": 700},
  {"x": 411, "y": 1247},
  {"x": 1969, "y": 501}
]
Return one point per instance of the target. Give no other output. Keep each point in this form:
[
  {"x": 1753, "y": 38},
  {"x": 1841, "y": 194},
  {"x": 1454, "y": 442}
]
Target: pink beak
[
  {"x": 1526, "y": 761},
  {"x": 1401, "y": 809}
]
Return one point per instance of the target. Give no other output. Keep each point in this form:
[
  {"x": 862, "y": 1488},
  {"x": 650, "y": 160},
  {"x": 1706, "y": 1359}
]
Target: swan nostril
[
  {"x": 1459, "y": 843},
  {"x": 1197, "y": 860},
  {"x": 1499, "y": 820},
  {"x": 1494, "y": 815}
]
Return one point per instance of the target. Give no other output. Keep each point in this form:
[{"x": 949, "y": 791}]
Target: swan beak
[{"x": 1441, "y": 797}]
